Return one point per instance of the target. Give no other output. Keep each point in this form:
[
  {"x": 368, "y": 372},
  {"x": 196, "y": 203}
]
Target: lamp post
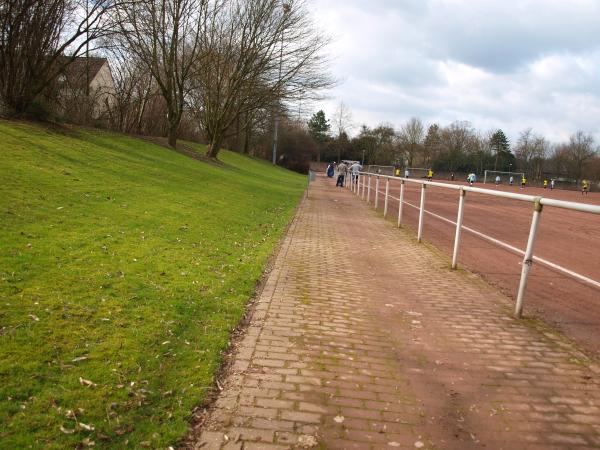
[{"x": 286, "y": 9}]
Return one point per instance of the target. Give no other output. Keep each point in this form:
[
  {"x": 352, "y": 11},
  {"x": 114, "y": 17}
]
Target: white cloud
[{"x": 509, "y": 65}]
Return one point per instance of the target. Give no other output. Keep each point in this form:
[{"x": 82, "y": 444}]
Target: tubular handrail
[
  {"x": 564, "y": 204},
  {"x": 538, "y": 203}
]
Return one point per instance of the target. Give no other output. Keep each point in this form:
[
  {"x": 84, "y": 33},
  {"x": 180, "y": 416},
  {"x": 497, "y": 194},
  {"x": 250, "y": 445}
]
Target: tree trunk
[
  {"x": 247, "y": 140},
  {"x": 213, "y": 148},
  {"x": 172, "y": 133}
]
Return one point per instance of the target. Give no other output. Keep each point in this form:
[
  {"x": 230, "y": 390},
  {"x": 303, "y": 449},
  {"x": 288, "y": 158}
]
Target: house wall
[{"x": 103, "y": 88}]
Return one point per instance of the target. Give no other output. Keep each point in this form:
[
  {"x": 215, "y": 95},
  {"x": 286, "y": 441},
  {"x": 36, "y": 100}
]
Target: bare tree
[
  {"x": 34, "y": 37},
  {"x": 342, "y": 121},
  {"x": 411, "y": 137},
  {"x": 134, "y": 90},
  {"x": 579, "y": 151},
  {"x": 260, "y": 54},
  {"x": 165, "y": 35},
  {"x": 531, "y": 151}
]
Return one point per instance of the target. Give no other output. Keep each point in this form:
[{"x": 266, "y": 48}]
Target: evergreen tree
[
  {"x": 319, "y": 127},
  {"x": 501, "y": 147},
  {"x": 432, "y": 144}
]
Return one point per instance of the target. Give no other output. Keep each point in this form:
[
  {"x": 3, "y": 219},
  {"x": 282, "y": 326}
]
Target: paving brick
[
  {"x": 250, "y": 434},
  {"x": 298, "y": 416}
]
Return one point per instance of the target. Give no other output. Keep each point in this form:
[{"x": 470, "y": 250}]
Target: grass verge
[{"x": 123, "y": 268}]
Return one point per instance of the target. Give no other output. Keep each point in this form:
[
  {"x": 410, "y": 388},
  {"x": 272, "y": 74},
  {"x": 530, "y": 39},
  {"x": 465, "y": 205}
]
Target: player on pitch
[
  {"x": 585, "y": 187},
  {"x": 523, "y": 182},
  {"x": 429, "y": 174},
  {"x": 545, "y": 184}
]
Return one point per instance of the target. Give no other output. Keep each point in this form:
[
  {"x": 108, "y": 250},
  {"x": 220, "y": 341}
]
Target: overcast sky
[{"x": 496, "y": 63}]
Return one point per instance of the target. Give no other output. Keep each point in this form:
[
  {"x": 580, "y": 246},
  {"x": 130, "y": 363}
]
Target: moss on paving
[{"x": 123, "y": 269}]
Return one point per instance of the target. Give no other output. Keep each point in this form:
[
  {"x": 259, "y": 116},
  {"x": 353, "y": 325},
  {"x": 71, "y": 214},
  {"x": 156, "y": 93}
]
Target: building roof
[{"x": 75, "y": 72}]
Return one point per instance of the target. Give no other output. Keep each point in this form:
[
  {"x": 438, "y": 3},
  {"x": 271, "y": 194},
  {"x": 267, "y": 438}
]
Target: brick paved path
[{"x": 364, "y": 339}]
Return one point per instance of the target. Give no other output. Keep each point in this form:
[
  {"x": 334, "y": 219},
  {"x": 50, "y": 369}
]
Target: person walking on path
[
  {"x": 341, "y": 171},
  {"x": 330, "y": 170},
  {"x": 354, "y": 170}
]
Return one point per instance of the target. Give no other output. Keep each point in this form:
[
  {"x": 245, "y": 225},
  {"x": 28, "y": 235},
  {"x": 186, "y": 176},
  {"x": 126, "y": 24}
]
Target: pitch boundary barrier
[{"x": 528, "y": 257}]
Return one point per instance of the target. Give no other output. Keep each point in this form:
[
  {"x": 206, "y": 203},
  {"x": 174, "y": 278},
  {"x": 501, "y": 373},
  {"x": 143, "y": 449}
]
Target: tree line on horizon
[
  {"x": 220, "y": 71},
  {"x": 456, "y": 148}
]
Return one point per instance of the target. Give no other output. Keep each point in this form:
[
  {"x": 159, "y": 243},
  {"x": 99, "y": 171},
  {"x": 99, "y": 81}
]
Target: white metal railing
[{"x": 528, "y": 257}]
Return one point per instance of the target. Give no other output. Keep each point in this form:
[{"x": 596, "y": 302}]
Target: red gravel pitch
[{"x": 568, "y": 238}]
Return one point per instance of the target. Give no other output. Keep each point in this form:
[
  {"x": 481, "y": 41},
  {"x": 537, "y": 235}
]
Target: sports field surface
[{"x": 569, "y": 239}]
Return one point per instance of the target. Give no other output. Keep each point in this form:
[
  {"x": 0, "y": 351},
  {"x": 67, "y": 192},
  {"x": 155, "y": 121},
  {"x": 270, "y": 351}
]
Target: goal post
[
  {"x": 415, "y": 172},
  {"x": 492, "y": 174},
  {"x": 381, "y": 170}
]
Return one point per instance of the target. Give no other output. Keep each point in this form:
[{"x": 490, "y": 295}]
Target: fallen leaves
[
  {"x": 66, "y": 430},
  {"x": 86, "y": 427},
  {"x": 88, "y": 383}
]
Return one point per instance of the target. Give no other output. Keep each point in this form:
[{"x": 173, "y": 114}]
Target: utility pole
[
  {"x": 286, "y": 8},
  {"x": 87, "y": 50}
]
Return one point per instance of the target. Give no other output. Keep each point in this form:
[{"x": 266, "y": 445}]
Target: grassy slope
[{"x": 134, "y": 257}]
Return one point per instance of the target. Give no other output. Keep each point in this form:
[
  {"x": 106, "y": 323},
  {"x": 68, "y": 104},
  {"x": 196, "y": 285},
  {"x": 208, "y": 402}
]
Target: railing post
[
  {"x": 387, "y": 191},
  {"x": 421, "y": 213},
  {"x": 459, "y": 222},
  {"x": 377, "y": 192},
  {"x": 369, "y": 191},
  {"x": 357, "y": 190},
  {"x": 401, "y": 203},
  {"x": 362, "y": 185},
  {"x": 528, "y": 258}
]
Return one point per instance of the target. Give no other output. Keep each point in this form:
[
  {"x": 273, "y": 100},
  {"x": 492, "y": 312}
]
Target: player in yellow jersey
[
  {"x": 585, "y": 187},
  {"x": 545, "y": 184},
  {"x": 523, "y": 182},
  {"x": 430, "y": 174}
]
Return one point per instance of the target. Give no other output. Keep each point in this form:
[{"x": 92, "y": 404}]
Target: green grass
[{"x": 127, "y": 265}]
